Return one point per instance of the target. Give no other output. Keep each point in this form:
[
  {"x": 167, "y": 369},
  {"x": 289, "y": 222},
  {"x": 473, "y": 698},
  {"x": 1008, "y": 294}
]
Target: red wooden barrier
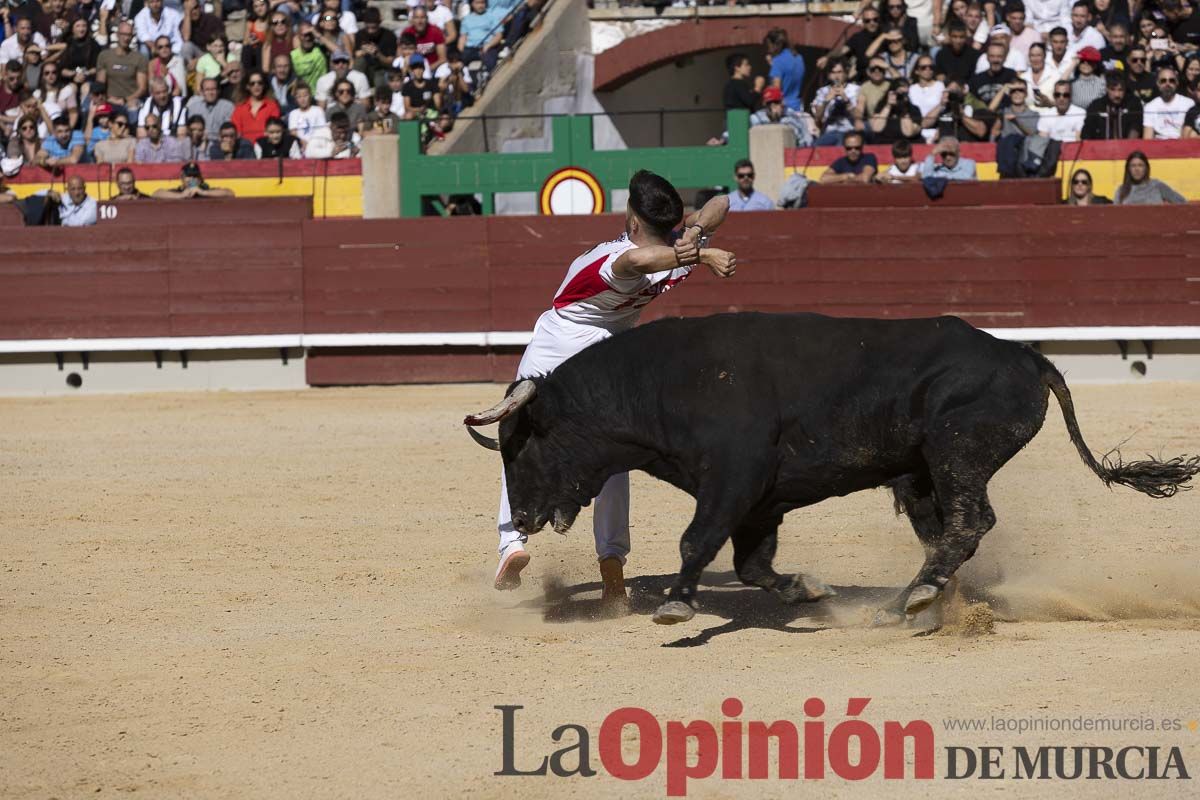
[
  {"x": 994, "y": 266},
  {"x": 1033, "y": 192}
]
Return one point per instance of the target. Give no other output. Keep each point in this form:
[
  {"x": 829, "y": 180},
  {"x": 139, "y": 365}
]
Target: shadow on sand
[{"x": 743, "y": 607}]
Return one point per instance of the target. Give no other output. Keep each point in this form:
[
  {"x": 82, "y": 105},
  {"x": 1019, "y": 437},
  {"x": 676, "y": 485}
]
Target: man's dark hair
[
  {"x": 1014, "y": 5},
  {"x": 62, "y": 120},
  {"x": 228, "y": 126},
  {"x": 1087, "y": 5},
  {"x": 274, "y": 121},
  {"x": 743, "y": 162},
  {"x": 383, "y": 93},
  {"x": 856, "y": 135},
  {"x": 655, "y": 201},
  {"x": 372, "y": 15},
  {"x": 123, "y": 171},
  {"x": 901, "y": 148},
  {"x": 1057, "y": 31},
  {"x": 777, "y": 37},
  {"x": 1114, "y": 79},
  {"x": 12, "y": 65},
  {"x": 339, "y": 118},
  {"x": 194, "y": 118},
  {"x": 734, "y": 61},
  {"x": 407, "y": 38}
]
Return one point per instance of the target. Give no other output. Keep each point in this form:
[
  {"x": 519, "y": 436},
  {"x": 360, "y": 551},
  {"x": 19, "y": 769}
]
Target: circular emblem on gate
[{"x": 572, "y": 190}]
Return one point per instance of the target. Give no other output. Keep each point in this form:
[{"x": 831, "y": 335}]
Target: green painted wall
[{"x": 487, "y": 173}]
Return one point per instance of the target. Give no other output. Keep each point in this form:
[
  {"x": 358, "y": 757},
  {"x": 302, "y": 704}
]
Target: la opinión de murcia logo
[{"x": 852, "y": 749}]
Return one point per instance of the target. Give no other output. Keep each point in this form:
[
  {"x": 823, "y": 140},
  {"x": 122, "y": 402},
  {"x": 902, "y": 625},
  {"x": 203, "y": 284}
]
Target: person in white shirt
[
  {"x": 1022, "y": 35},
  {"x": 154, "y": 21},
  {"x": 1013, "y": 59},
  {"x": 13, "y": 48},
  {"x": 439, "y": 14},
  {"x": 1046, "y": 15},
  {"x": 1040, "y": 77},
  {"x": 1060, "y": 59},
  {"x": 603, "y": 293},
  {"x": 1081, "y": 34},
  {"x": 306, "y": 119},
  {"x": 1065, "y": 121},
  {"x": 903, "y": 168},
  {"x": 76, "y": 210},
  {"x": 926, "y": 93},
  {"x": 1163, "y": 116},
  {"x": 341, "y": 70}
]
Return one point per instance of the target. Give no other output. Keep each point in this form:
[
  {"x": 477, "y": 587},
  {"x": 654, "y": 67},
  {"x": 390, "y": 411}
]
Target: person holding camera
[
  {"x": 896, "y": 118},
  {"x": 957, "y": 116},
  {"x": 835, "y": 106}
]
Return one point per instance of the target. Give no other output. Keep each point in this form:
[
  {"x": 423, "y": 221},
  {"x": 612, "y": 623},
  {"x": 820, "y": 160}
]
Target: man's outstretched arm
[
  {"x": 656, "y": 258},
  {"x": 709, "y": 217}
]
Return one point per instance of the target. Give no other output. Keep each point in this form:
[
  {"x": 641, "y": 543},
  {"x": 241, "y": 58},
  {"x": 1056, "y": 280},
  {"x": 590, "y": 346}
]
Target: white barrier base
[{"x": 70, "y": 366}]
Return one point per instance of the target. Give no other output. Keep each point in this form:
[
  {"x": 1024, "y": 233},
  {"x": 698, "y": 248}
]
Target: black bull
[{"x": 757, "y": 414}]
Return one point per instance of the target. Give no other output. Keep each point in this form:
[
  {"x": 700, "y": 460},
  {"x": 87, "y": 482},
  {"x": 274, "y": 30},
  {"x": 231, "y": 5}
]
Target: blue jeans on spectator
[{"x": 830, "y": 139}]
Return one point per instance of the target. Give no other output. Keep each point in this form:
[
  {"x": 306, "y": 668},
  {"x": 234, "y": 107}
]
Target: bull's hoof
[
  {"x": 920, "y": 598},
  {"x": 673, "y": 611},
  {"x": 804, "y": 589},
  {"x": 886, "y": 618}
]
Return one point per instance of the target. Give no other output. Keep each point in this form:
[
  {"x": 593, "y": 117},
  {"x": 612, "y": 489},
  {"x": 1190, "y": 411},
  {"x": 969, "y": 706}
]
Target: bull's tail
[{"x": 1153, "y": 477}]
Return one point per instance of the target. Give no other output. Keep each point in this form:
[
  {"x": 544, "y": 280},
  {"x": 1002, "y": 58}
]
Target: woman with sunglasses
[
  {"x": 342, "y": 99},
  {"x": 277, "y": 42},
  {"x": 896, "y": 17},
  {"x": 167, "y": 67},
  {"x": 119, "y": 147},
  {"x": 52, "y": 91},
  {"x": 26, "y": 143},
  {"x": 1139, "y": 189},
  {"x": 252, "y": 114},
  {"x": 1079, "y": 193},
  {"x": 330, "y": 36}
]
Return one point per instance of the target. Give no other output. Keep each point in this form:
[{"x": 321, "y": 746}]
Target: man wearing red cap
[{"x": 774, "y": 112}]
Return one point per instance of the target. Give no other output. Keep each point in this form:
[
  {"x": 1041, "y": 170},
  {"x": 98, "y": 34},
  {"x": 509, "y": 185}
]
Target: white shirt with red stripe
[{"x": 592, "y": 295}]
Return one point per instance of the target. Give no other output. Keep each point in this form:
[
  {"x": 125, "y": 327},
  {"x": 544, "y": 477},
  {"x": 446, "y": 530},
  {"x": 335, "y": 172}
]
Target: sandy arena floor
[{"x": 288, "y": 595}]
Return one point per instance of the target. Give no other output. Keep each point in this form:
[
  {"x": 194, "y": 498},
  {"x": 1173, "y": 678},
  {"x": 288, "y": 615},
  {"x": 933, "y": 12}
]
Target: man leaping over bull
[{"x": 604, "y": 293}]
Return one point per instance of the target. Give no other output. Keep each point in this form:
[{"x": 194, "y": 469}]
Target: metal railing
[{"x": 616, "y": 10}]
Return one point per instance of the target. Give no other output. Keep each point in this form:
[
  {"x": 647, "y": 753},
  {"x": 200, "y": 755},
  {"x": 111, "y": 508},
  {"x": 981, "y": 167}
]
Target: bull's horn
[
  {"x": 521, "y": 394},
  {"x": 484, "y": 441}
]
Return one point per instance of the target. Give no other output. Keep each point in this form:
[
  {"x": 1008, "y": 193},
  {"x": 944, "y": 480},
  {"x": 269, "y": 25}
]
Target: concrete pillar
[
  {"x": 381, "y": 176},
  {"x": 767, "y": 146}
]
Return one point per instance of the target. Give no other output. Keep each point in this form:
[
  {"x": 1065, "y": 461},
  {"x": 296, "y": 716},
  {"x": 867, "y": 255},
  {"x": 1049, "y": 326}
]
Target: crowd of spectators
[
  {"x": 152, "y": 81},
  {"x": 1056, "y": 70}
]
